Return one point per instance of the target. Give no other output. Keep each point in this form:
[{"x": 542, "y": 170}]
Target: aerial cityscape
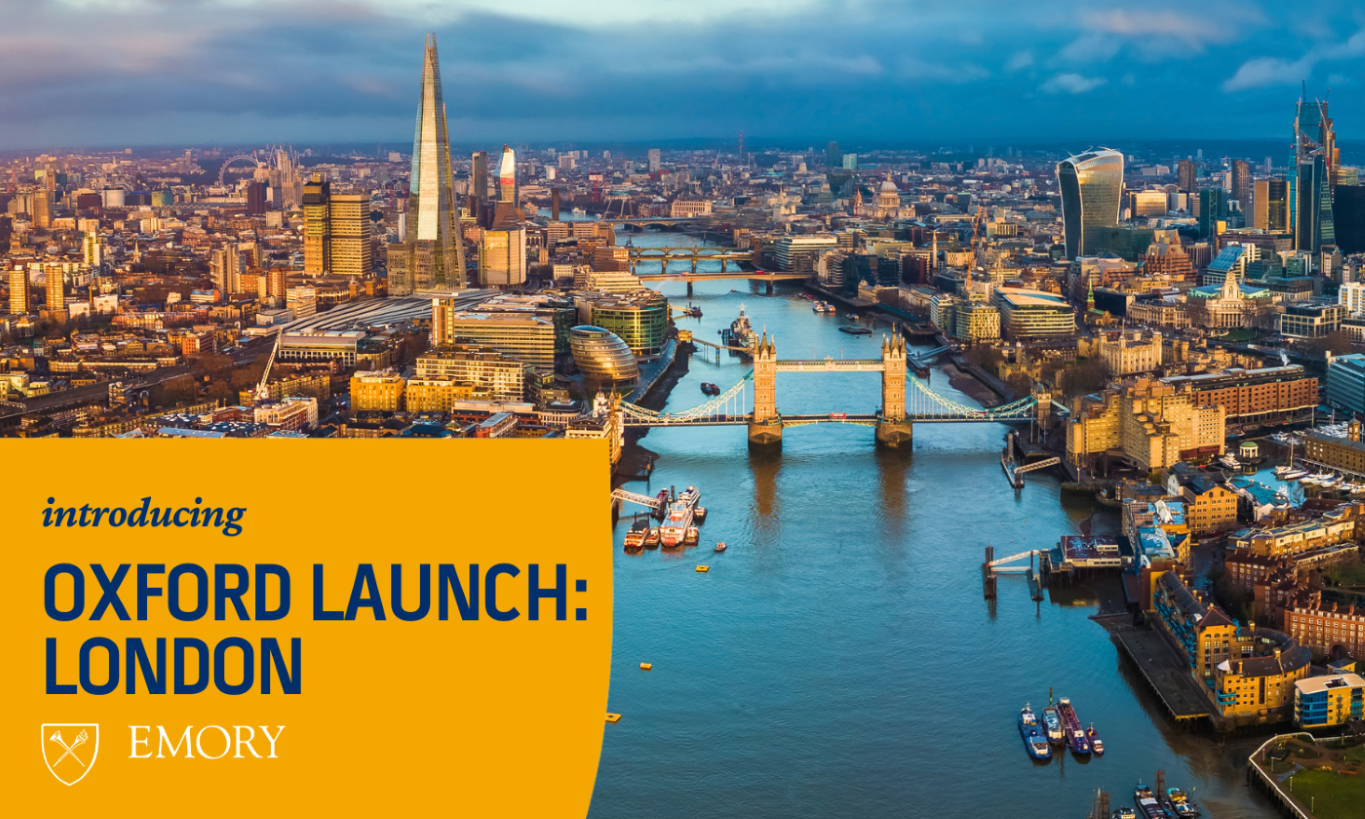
[{"x": 1088, "y": 544}]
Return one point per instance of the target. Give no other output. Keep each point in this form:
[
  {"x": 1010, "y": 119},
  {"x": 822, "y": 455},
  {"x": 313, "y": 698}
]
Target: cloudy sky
[{"x": 170, "y": 72}]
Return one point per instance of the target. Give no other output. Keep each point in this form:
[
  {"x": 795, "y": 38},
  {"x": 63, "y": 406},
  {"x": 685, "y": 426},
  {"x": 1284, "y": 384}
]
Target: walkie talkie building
[{"x": 1091, "y": 185}]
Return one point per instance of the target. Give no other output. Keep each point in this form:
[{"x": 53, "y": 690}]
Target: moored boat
[
  {"x": 635, "y": 538},
  {"x": 1034, "y": 742},
  {"x": 1071, "y": 724},
  {"x": 1147, "y": 804},
  {"x": 652, "y": 538},
  {"x": 1180, "y": 804},
  {"x": 1123, "y": 813},
  {"x": 1096, "y": 744},
  {"x": 690, "y": 539},
  {"x": 1052, "y": 725},
  {"x": 720, "y": 547}
]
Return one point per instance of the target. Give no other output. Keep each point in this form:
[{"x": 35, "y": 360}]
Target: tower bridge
[{"x": 906, "y": 401}]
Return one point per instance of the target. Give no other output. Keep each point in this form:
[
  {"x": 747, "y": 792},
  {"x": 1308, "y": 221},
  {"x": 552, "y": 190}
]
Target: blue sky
[{"x": 166, "y": 72}]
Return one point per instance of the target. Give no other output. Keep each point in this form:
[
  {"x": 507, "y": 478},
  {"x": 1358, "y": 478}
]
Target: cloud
[
  {"x": 1272, "y": 71},
  {"x": 1072, "y": 83},
  {"x": 1020, "y": 61},
  {"x": 1090, "y": 48}
]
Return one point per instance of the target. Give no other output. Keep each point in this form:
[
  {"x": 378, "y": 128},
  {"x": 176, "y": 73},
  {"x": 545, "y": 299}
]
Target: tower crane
[{"x": 262, "y": 391}]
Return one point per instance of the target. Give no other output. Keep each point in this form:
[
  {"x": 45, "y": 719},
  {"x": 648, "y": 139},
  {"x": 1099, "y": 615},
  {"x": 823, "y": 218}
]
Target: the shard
[{"x": 431, "y": 255}]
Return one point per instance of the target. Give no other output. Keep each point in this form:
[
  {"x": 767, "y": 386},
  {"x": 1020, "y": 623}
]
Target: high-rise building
[
  {"x": 1349, "y": 210},
  {"x": 317, "y": 225},
  {"x": 349, "y": 215},
  {"x": 56, "y": 293},
  {"x": 1092, "y": 187},
  {"x": 507, "y": 178},
  {"x": 834, "y": 158},
  {"x": 850, "y": 162},
  {"x": 432, "y": 253},
  {"x": 1312, "y": 177},
  {"x": 1185, "y": 175},
  {"x": 1213, "y": 208},
  {"x": 42, "y": 209},
  {"x": 255, "y": 199},
  {"x": 655, "y": 161},
  {"x": 502, "y": 258},
  {"x": 478, "y": 178},
  {"x": 19, "y": 299},
  {"x": 1271, "y": 209},
  {"x": 92, "y": 248},
  {"x": 1241, "y": 184},
  {"x": 225, "y": 267}
]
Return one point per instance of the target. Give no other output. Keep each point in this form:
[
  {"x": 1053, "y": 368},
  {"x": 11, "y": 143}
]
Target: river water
[{"x": 838, "y": 659}]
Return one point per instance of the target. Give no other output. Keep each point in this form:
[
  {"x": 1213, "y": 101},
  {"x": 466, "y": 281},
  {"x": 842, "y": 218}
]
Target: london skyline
[{"x": 206, "y": 72}]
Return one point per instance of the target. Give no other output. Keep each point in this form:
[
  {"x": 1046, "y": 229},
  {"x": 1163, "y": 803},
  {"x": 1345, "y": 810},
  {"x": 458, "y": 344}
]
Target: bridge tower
[
  {"x": 893, "y": 430},
  {"x": 765, "y": 425}
]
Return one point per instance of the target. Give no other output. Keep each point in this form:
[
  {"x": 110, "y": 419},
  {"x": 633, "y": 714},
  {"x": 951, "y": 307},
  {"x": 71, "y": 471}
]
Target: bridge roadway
[{"x": 806, "y": 420}]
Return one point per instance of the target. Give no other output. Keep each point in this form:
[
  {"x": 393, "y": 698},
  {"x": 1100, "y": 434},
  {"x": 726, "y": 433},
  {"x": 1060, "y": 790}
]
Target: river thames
[{"x": 838, "y": 659}]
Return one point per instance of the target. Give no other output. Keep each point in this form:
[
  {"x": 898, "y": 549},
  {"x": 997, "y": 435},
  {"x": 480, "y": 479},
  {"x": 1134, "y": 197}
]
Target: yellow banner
[{"x": 310, "y": 628}]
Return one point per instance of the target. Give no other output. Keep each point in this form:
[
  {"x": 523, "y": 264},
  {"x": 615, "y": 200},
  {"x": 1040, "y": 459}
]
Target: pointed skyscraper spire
[{"x": 432, "y": 255}]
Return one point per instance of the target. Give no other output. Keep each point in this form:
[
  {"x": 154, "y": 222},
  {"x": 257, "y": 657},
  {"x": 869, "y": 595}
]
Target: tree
[
  {"x": 987, "y": 358},
  {"x": 1336, "y": 343},
  {"x": 1019, "y": 384}
]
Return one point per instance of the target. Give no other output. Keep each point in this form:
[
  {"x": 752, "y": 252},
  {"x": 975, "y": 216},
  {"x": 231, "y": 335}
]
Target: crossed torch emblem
[{"x": 80, "y": 740}]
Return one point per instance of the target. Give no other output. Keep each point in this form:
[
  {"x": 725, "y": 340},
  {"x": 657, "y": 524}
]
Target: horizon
[{"x": 869, "y": 72}]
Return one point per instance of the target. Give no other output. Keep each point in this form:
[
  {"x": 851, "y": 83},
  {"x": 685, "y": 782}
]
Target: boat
[
  {"x": 1123, "y": 813},
  {"x": 852, "y": 316},
  {"x": 1096, "y": 744},
  {"x": 720, "y": 547},
  {"x": 652, "y": 538},
  {"x": 1180, "y": 804},
  {"x": 707, "y": 388},
  {"x": 1294, "y": 475},
  {"x": 1034, "y": 742},
  {"x": 855, "y": 331},
  {"x": 1052, "y": 724},
  {"x": 1147, "y": 804},
  {"x": 699, "y": 515},
  {"x": 635, "y": 538},
  {"x": 690, "y": 539},
  {"x": 673, "y": 531},
  {"x": 741, "y": 332},
  {"x": 823, "y": 307},
  {"x": 1071, "y": 725}
]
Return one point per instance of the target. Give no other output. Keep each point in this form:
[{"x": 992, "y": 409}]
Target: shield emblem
[{"x": 70, "y": 748}]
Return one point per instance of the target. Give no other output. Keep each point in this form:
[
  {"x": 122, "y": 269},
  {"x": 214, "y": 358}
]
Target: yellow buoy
[
  {"x": 703, "y": 569},
  {"x": 613, "y": 717},
  {"x": 646, "y": 666}
]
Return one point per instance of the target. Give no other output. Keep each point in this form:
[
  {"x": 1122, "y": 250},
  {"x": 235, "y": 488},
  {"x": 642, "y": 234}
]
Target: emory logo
[{"x": 70, "y": 749}]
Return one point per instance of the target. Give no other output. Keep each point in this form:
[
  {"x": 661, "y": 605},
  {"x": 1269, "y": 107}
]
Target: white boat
[{"x": 1294, "y": 475}]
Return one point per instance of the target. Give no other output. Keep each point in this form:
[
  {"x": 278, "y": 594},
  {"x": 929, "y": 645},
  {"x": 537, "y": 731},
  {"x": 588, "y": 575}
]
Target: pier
[{"x": 1165, "y": 671}]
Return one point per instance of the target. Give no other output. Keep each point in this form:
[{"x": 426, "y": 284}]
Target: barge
[{"x": 1071, "y": 725}]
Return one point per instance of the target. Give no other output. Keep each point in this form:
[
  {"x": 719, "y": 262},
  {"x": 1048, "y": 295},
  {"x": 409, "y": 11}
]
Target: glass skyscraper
[
  {"x": 432, "y": 256},
  {"x": 1312, "y": 177},
  {"x": 1092, "y": 187}
]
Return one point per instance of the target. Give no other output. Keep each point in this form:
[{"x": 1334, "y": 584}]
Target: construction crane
[
  {"x": 262, "y": 391},
  {"x": 976, "y": 224}
]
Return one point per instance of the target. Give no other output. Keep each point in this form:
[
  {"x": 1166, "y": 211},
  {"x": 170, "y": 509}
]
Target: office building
[
  {"x": 1032, "y": 314},
  {"x": 349, "y": 219},
  {"x": 1312, "y": 177},
  {"x": 525, "y": 337},
  {"x": 640, "y": 318},
  {"x": 654, "y": 160},
  {"x": 56, "y": 293},
  {"x": 317, "y": 225},
  {"x": 1310, "y": 319},
  {"x": 1348, "y": 210},
  {"x": 1185, "y": 176},
  {"x": 1241, "y": 184},
  {"x": 850, "y": 162},
  {"x": 377, "y": 391},
  {"x": 1346, "y": 382},
  {"x": 1271, "y": 206},
  {"x": 1091, "y": 186},
  {"x": 225, "y": 267},
  {"x": 20, "y": 301},
  {"x": 432, "y": 253},
  {"x": 1213, "y": 212},
  {"x": 834, "y": 158},
  {"x": 1329, "y": 700},
  {"x": 478, "y": 179},
  {"x": 508, "y": 193},
  {"x": 488, "y": 373},
  {"x": 502, "y": 257},
  {"x": 602, "y": 357}
]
